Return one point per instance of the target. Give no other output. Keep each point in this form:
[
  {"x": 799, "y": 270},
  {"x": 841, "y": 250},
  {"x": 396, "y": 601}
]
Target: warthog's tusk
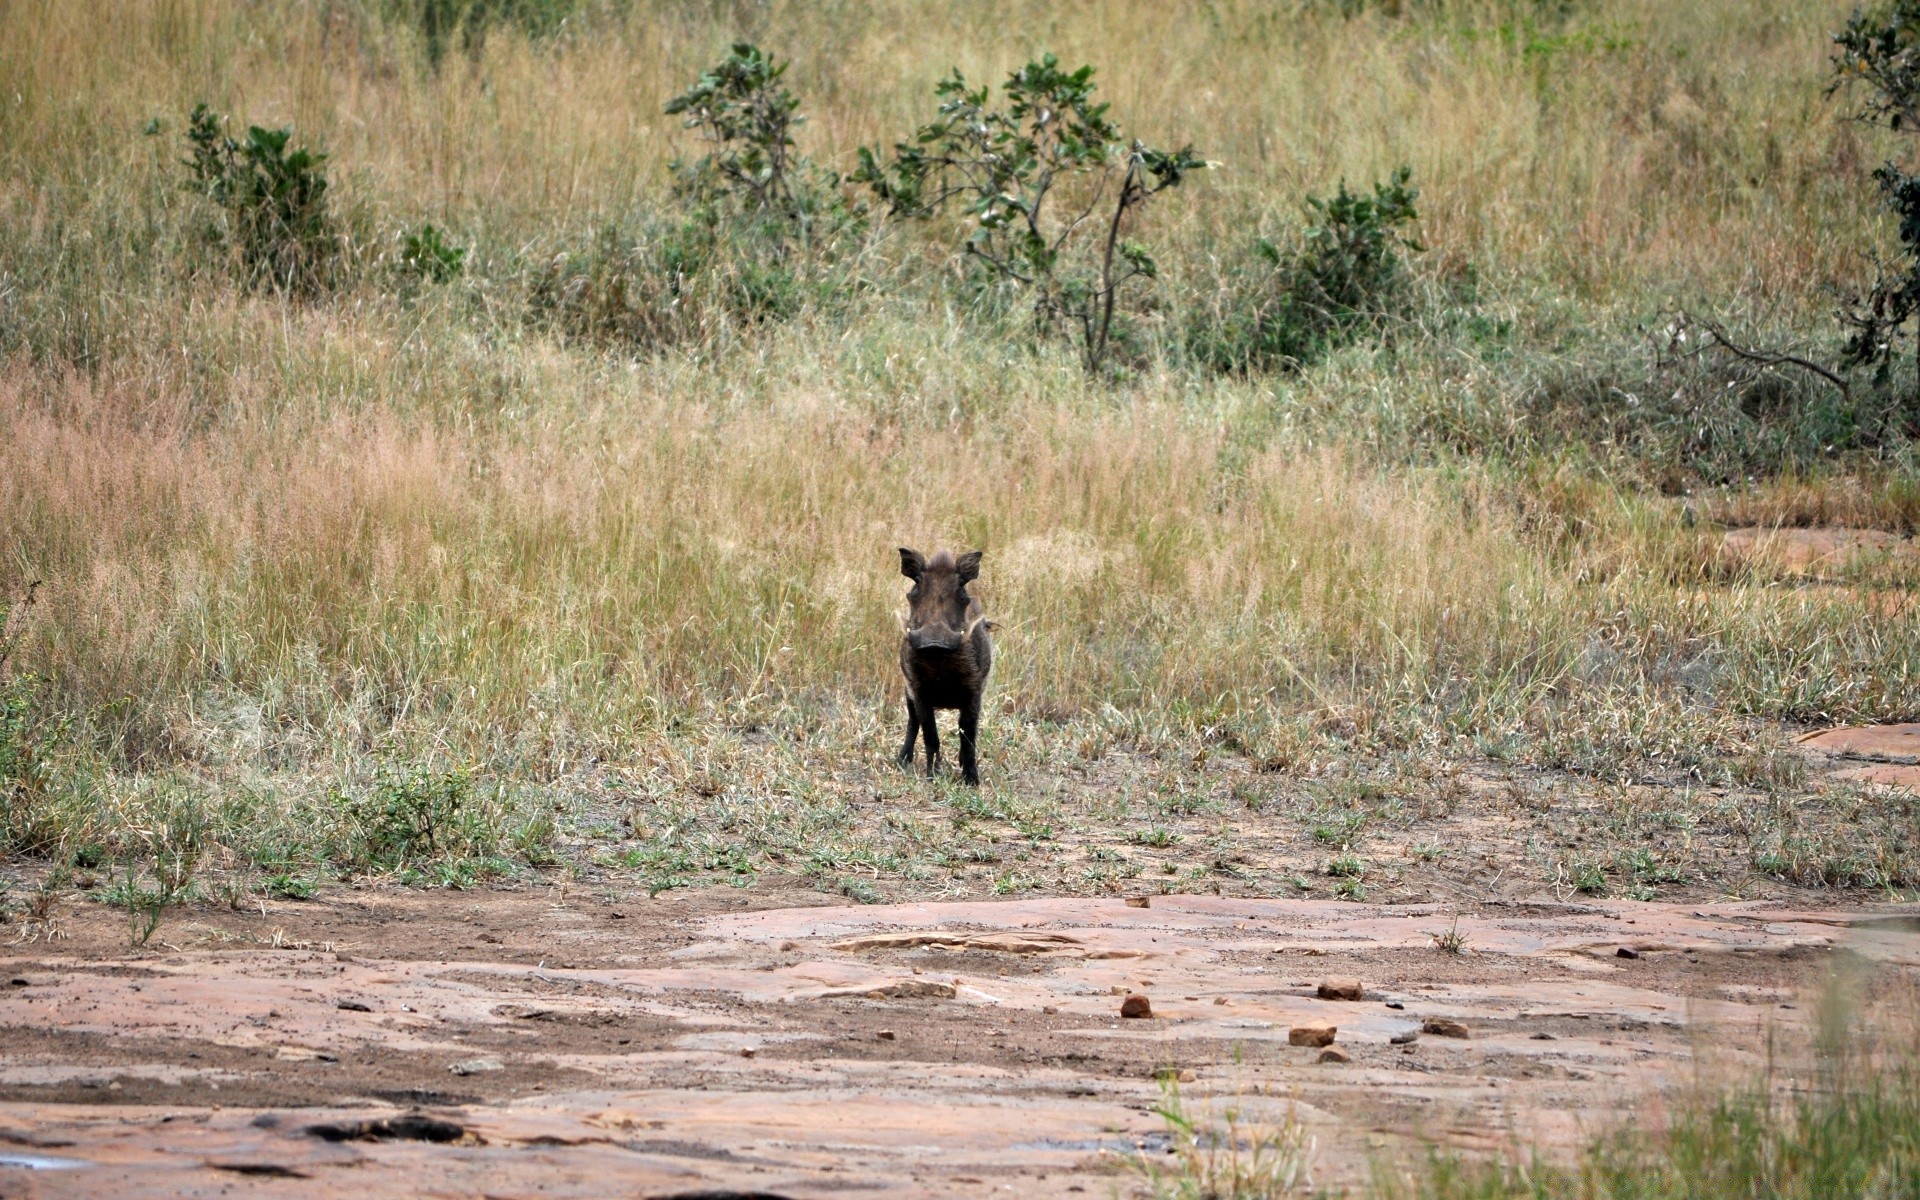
[{"x": 972, "y": 625}]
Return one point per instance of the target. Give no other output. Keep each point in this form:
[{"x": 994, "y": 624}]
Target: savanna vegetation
[{"x": 454, "y": 439}]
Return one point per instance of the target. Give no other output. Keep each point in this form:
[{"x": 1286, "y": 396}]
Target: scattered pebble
[
  {"x": 1395, "y": 1004},
  {"x": 18, "y": 981},
  {"x": 746, "y": 1052},
  {"x": 1136, "y": 1005},
  {"x": 1444, "y": 1027},
  {"x": 1139, "y": 902},
  {"x": 1312, "y": 1033},
  {"x": 1626, "y": 952},
  {"x": 474, "y": 1066},
  {"x": 1406, "y": 1038},
  {"x": 352, "y": 1006},
  {"x": 885, "y": 1035},
  {"x": 1049, "y": 1009},
  {"x": 1341, "y": 989},
  {"x": 788, "y": 946},
  {"x": 1221, "y": 1000},
  {"x": 1334, "y": 1054},
  {"x": 1543, "y": 1036}
]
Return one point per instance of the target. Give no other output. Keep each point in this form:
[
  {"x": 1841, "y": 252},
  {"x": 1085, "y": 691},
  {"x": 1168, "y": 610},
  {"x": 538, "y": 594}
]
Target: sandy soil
[{"x": 571, "y": 1043}]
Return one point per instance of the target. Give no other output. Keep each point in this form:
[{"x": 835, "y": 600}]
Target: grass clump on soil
[
  {"x": 1846, "y": 1129},
  {"x": 591, "y": 485}
]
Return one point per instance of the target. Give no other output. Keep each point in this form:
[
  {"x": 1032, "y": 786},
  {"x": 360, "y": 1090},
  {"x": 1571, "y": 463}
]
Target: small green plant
[
  {"x": 1049, "y": 186},
  {"x": 273, "y": 196},
  {"x": 1346, "y": 866},
  {"x": 1450, "y": 940},
  {"x": 172, "y": 847},
  {"x": 1157, "y": 836},
  {"x": 412, "y": 818},
  {"x": 1287, "y": 306},
  {"x": 1350, "y": 889},
  {"x": 426, "y": 254},
  {"x": 286, "y": 886}
]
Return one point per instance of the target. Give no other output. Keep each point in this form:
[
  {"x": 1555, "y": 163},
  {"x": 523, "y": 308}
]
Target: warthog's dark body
[{"x": 945, "y": 653}]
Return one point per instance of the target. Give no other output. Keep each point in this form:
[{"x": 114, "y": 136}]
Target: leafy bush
[
  {"x": 426, "y": 254},
  {"x": 746, "y": 117},
  {"x": 1881, "y": 49},
  {"x": 753, "y": 241},
  {"x": 1287, "y": 306},
  {"x": 1048, "y": 185},
  {"x": 273, "y": 196},
  {"x": 416, "y": 817}
]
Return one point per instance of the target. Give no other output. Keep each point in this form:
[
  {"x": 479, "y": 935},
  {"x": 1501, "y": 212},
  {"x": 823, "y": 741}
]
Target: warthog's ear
[
  {"x": 911, "y": 563},
  {"x": 969, "y": 566}
]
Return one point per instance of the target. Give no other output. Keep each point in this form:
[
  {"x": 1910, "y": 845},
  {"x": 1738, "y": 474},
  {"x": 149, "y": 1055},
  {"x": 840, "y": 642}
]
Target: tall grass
[{"x": 277, "y": 536}]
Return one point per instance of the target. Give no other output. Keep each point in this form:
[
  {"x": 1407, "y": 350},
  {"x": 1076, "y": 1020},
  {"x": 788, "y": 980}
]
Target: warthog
[{"x": 945, "y": 653}]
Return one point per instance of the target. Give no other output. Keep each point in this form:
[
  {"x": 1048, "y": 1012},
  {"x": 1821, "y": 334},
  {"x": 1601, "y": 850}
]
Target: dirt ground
[
  {"x": 716, "y": 1042},
  {"x": 589, "y": 1039}
]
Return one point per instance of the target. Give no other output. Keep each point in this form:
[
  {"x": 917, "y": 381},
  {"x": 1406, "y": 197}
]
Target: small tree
[
  {"x": 747, "y": 117},
  {"x": 1881, "y": 50},
  {"x": 1014, "y": 170}
]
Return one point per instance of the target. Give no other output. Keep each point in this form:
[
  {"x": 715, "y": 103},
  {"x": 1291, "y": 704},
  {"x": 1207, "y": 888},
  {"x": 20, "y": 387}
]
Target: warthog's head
[{"x": 940, "y": 614}]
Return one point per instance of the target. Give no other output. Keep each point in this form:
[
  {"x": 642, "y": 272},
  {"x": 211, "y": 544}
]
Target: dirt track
[{"x": 591, "y": 1045}]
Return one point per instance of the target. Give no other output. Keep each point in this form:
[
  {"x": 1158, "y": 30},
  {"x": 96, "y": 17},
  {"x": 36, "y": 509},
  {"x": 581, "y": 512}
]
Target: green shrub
[
  {"x": 273, "y": 198},
  {"x": 1288, "y": 306},
  {"x": 1880, "y": 48},
  {"x": 1047, "y": 184},
  {"x": 414, "y": 817},
  {"x": 426, "y": 254}
]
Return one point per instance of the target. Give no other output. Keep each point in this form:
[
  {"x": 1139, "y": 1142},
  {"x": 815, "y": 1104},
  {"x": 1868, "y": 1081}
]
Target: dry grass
[{"x": 281, "y": 541}]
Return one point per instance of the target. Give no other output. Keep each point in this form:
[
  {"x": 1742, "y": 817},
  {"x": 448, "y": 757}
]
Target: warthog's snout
[{"x": 935, "y": 639}]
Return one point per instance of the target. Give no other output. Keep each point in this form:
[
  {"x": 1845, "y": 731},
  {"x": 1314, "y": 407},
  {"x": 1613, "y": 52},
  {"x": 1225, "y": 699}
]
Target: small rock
[
  {"x": 1049, "y": 1009},
  {"x": 1187, "y": 1076},
  {"x": 474, "y": 1066},
  {"x": 1406, "y": 1038},
  {"x": 1395, "y": 1004},
  {"x": 1334, "y": 1054},
  {"x": 885, "y": 1035},
  {"x": 1543, "y": 1036},
  {"x": 1120, "y": 989},
  {"x": 1221, "y": 1000},
  {"x": 1626, "y": 952},
  {"x": 1136, "y": 1005},
  {"x": 18, "y": 981},
  {"x": 788, "y": 946},
  {"x": 1312, "y": 1033},
  {"x": 1139, "y": 902},
  {"x": 746, "y": 1052},
  {"x": 617, "y": 916},
  {"x": 352, "y": 1006},
  {"x": 1444, "y": 1027},
  {"x": 1340, "y": 989}
]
